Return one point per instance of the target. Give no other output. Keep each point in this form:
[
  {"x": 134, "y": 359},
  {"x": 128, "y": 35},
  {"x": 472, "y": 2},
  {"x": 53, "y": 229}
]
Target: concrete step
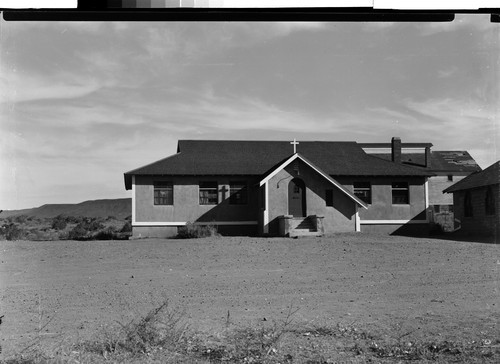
[{"x": 303, "y": 232}]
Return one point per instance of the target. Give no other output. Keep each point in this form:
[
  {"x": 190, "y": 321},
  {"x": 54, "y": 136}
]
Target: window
[
  {"x": 400, "y": 193},
  {"x": 329, "y": 197},
  {"x": 363, "y": 191},
  {"x": 489, "y": 202},
  {"x": 208, "y": 193},
  {"x": 238, "y": 194},
  {"x": 450, "y": 178},
  {"x": 467, "y": 204},
  {"x": 163, "y": 193}
]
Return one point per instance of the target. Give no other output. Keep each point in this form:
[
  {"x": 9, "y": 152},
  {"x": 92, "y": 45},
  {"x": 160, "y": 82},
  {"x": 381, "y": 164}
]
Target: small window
[
  {"x": 467, "y": 204},
  {"x": 450, "y": 178},
  {"x": 163, "y": 193},
  {"x": 489, "y": 202},
  {"x": 437, "y": 209},
  {"x": 329, "y": 197},
  {"x": 208, "y": 193},
  {"x": 363, "y": 191},
  {"x": 400, "y": 193},
  {"x": 238, "y": 193}
]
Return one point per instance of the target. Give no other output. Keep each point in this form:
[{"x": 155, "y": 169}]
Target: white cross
[{"x": 294, "y": 145}]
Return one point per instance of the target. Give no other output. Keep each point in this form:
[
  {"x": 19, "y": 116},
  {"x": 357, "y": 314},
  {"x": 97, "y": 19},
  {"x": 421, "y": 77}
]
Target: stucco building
[
  {"x": 278, "y": 188},
  {"x": 476, "y": 201}
]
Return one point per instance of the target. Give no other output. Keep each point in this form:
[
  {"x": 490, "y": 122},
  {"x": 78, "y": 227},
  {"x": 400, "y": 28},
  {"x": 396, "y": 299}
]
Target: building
[
  {"x": 278, "y": 188},
  {"x": 448, "y": 168},
  {"x": 476, "y": 201}
]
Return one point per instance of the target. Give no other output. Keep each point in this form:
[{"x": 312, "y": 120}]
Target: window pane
[
  {"x": 363, "y": 191},
  {"x": 238, "y": 193},
  {"x": 467, "y": 204},
  {"x": 208, "y": 193},
  {"x": 400, "y": 193},
  {"x": 489, "y": 202},
  {"x": 163, "y": 193}
]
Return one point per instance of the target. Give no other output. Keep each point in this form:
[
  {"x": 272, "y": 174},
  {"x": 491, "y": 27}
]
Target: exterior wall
[
  {"x": 186, "y": 207},
  {"x": 479, "y": 223},
  {"x": 139, "y": 232},
  {"x": 339, "y": 218},
  {"x": 382, "y": 208},
  {"x": 384, "y": 217},
  {"x": 436, "y": 186}
]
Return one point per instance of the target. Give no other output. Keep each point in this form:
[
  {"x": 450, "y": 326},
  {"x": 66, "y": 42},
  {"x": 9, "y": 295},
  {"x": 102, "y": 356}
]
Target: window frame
[
  {"x": 206, "y": 189},
  {"x": 399, "y": 189},
  {"x": 361, "y": 189},
  {"x": 165, "y": 187},
  {"x": 468, "y": 209},
  {"x": 489, "y": 202},
  {"x": 233, "y": 193}
]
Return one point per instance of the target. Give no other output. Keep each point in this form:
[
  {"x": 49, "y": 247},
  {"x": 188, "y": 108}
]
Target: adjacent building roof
[
  {"x": 489, "y": 176},
  {"x": 223, "y": 157},
  {"x": 457, "y": 161}
]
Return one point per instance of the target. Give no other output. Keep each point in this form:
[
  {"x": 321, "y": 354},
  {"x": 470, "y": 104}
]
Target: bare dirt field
[{"x": 419, "y": 288}]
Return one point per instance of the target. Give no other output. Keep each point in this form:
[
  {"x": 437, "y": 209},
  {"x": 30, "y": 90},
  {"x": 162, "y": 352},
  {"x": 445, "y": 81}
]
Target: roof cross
[{"x": 295, "y": 142}]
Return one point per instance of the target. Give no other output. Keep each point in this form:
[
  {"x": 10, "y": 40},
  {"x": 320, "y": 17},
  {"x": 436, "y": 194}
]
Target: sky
[{"x": 81, "y": 103}]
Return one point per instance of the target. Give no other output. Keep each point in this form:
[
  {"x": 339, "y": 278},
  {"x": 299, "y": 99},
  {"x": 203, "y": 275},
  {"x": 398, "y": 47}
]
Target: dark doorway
[{"x": 297, "y": 198}]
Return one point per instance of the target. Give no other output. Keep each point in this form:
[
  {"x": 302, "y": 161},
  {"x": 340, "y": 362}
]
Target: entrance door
[{"x": 297, "y": 198}]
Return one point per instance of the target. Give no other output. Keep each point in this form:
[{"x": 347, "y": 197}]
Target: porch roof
[{"x": 271, "y": 173}]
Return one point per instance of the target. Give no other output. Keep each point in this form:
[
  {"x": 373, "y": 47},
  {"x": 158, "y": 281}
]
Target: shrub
[
  {"x": 20, "y": 219},
  {"x": 12, "y": 232},
  {"x": 79, "y": 232},
  {"x": 107, "y": 234},
  {"x": 192, "y": 231},
  {"x": 127, "y": 228},
  {"x": 59, "y": 223}
]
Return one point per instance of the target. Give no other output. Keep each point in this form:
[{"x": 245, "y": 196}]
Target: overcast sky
[{"x": 82, "y": 103}]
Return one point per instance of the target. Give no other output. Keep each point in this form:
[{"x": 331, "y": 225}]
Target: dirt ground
[{"x": 426, "y": 287}]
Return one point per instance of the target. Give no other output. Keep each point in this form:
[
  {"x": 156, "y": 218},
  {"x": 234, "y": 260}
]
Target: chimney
[
  {"x": 396, "y": 149},
  {"x": 428, "y": 157}
]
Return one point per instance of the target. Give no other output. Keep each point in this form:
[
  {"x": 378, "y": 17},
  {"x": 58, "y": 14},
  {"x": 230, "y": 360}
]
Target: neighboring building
[
  {"x": 266, "y": 187},
  {"x": 448, "y": 168},
  {"x": 476, "y": 201}
]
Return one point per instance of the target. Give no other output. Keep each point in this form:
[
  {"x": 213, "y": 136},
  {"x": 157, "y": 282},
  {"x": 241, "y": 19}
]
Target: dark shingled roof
[
  {"x": 441, "y": 161},
  {"x": 223, "y": 157},
  {"x": 489, "y": 176}
]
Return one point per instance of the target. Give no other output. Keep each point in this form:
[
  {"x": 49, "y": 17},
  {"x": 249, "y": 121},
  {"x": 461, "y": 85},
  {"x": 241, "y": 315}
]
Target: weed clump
[
  {"x": 194, "y": 231},
  {"x": 162, "y": 328}
]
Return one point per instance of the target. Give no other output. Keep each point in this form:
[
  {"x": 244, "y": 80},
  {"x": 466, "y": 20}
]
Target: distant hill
[{"x": 119, "y": 208}]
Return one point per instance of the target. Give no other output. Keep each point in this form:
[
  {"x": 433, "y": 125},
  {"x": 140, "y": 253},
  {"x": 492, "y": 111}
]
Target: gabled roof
[
  {"x": 441, "y": 161},
  {"x": 243, "y": 157},
  {"x": 489, "y": 176},
  {"x": 295, "y": 156}
]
